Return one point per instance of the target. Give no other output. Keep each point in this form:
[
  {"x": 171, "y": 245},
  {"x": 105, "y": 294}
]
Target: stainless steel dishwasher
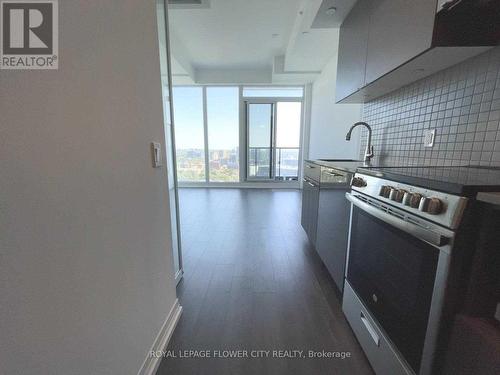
[{"x": 333, "y": 221}]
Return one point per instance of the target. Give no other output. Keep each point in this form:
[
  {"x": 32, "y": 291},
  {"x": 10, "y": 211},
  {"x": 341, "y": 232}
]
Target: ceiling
[{"x": 257, "y": 41}]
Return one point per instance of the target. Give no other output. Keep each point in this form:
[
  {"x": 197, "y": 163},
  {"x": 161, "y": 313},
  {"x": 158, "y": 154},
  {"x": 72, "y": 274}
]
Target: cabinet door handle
[
  {"x": 334, "y": 174},
  {"x": 370, "y": 329}
]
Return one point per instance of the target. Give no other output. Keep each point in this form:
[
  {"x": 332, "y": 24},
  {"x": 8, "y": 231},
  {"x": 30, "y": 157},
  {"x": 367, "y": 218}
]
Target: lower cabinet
[
  {"x": 333, "y": 232},
  {"x": 325, "y": 217},
  {"x": 310, "y": 203}
]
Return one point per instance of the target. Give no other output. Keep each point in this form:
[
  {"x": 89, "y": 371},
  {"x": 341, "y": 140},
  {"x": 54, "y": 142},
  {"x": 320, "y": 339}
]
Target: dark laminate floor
[{"x": 253, "y": 282}]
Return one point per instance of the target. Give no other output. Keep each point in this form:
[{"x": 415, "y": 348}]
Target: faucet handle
[{"x": 371, "y": 154}]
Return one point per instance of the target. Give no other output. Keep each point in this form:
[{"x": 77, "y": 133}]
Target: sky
[
  {"x": 188, "y": 117},
  {"x": 223, "y": 119}
]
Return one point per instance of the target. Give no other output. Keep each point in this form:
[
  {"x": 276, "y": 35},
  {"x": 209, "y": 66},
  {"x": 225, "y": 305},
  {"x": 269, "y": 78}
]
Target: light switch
[{"x": 156, "y": 153}]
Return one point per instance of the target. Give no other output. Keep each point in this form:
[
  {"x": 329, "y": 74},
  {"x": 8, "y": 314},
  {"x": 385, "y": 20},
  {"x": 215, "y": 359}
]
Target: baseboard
[
  {"x": 151, "y": 363},
  {"x": 293, "y": 185}
]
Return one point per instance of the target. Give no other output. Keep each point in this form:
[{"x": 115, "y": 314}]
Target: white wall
[
  {"x": 86, "y": 275},
  {"x": 329, "y": 121}
]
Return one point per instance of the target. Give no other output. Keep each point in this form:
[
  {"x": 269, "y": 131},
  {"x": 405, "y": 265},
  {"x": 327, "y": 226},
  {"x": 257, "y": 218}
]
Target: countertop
[
  {"x": 489, "y": 197},
  {"x": 343, "y": 165},
  {"x": 461, "y": 180}
]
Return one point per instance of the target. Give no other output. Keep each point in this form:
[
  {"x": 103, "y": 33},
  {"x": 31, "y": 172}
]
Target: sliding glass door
[
  {"x": 260, "y": 135},
  {"x": 171, "y": 171},
  {"x": 273, "y": 140}
]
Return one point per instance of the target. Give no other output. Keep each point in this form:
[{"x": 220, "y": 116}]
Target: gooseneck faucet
[{"x": 369, "y": 148}]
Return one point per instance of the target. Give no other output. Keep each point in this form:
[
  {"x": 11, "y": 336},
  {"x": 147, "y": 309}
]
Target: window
[
  {"x": 223, "y": 133},
  {"x": 260, "y": 129},
  {"x": 273, "y": 92},
  {"x": 215, "y": 125},
  {"x": 288, "y": 120},
  {"x": 189, "y": 133},
  {"x": 273, "y": 140}
]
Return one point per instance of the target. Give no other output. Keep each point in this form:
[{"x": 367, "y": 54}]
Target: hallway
[{"x": 252, "y": 282}]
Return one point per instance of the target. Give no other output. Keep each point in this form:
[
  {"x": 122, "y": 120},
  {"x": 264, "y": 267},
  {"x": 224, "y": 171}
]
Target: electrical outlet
[{"x": 429, "y": 136}]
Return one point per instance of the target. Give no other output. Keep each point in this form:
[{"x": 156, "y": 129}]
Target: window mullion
[{"x": 205, "y": 131}]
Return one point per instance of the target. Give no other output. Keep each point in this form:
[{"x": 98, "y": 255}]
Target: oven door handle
[{"x": 432, "y": 237}]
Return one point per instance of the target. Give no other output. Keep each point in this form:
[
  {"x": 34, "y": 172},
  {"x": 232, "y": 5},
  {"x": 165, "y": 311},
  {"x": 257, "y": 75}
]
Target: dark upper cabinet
[
  {"x": 387, "y": 44},
  {"x": 353, "y": 43},
  {"x": 399, "y": 31}
]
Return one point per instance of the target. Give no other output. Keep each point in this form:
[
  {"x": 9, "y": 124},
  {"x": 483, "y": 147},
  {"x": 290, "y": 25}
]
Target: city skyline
[{"x": 223, "y": 164}]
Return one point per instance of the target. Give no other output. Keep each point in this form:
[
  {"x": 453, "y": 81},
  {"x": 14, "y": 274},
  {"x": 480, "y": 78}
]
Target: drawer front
[
  {"x": 382, "y": 356},
  {"x": 312, "y": 171}
]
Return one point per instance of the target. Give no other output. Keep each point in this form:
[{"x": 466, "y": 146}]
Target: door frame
[
  {"x": 244, "y": 130},
  {"x": 272, "y": 141},
  {"x": 180, "y": 272}
]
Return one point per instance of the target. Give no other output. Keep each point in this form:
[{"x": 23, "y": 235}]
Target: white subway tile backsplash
[{"x": 462, "y": 103}]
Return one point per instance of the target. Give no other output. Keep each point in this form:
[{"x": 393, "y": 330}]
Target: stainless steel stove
[{"x": 406, "y": 244}]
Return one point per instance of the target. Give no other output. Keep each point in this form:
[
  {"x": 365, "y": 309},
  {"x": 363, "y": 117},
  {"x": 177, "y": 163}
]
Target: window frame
[{"x": 243, "y": 182}]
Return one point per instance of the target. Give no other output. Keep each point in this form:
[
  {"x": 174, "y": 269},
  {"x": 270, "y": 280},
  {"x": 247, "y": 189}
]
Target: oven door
[{"x": 392, "y": 265}]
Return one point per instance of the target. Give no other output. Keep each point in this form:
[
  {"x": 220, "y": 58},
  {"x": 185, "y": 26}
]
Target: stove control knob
[
  {"x": 434, "y": 206},
  {"x": 392, "y": 194},
  {"x": 396, "y": 195},
  {"x": 358, "y": 182},
  {"x": 424, "y": 204},
  {"x": 406, "y": 198},
  {"x": 415, "y": 200},
  {"x": 400, "y": 195},
  {"x": 385, "y": 191}
]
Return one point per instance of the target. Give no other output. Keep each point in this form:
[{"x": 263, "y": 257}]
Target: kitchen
[
  {"x": 420, "y": 205},
  {"x": 274, "y": 187},
  {"x": 397, "y": 223}
]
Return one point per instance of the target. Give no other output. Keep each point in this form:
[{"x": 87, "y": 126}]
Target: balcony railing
[{"x": 285, "y": 167}]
